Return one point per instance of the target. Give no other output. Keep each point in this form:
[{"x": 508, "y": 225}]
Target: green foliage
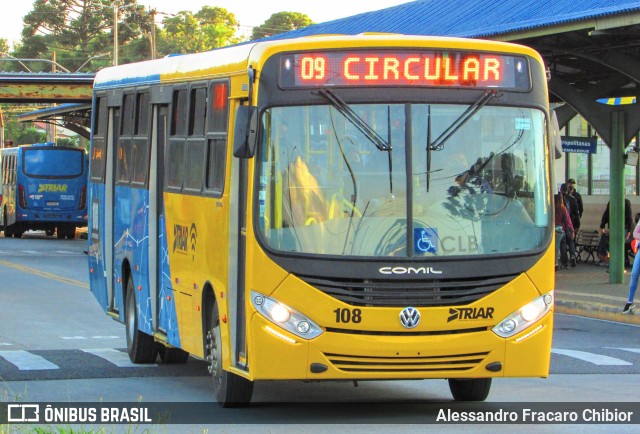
[
  {"x": 75, "y": 31},
  {"x": 210, "y": 28},
  {"x": 4, "y": 47},
  {"x": 21, "y": 133},
  {"x": 281, "y": 22},
  {"x": 69, "y": 141}
]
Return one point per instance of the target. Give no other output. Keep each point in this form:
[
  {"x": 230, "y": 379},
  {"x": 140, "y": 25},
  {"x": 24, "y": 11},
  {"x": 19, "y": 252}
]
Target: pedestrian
[
  {"x": 635, "y": 272},
  {"x": 571, "y": 188},
  {"x": 564, "y": 229},
  {"x": 603, "y": 245},
  {"x": 572, "y": 208}
]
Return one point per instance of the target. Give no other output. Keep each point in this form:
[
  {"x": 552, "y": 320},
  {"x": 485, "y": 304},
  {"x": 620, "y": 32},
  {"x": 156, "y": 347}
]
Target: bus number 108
[{"x": 348, "y": 315}]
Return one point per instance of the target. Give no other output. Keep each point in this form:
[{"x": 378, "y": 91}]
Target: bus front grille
[
  {"x": 413, "y": 364},
  {"x": 385, "y": 293}
]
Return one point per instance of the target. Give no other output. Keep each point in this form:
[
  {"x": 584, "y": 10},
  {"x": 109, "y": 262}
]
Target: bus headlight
[
  {"x": 285, "y": 317},
  {"x": 525, "y": 316}
]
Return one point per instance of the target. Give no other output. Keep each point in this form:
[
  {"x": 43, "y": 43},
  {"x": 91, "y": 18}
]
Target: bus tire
[
  {"x": 5, "y": 226},
  {"x": 230, "y": 389},
  {"x": 476, "y": 389},
  {"x": 49, "y": 232},
  {"x": 140, "y": 346},
  {"x": 173, "y": 355}
]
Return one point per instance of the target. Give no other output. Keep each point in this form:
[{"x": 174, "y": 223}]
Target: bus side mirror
[{"x": 244, "y": 133}]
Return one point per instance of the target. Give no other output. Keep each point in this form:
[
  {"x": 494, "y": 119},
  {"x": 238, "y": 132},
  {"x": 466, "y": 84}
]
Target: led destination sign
[{"x": 404, "y": 68}]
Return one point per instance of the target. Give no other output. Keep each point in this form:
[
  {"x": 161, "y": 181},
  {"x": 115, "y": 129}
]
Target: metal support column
[{"x": 616, "y": 205}]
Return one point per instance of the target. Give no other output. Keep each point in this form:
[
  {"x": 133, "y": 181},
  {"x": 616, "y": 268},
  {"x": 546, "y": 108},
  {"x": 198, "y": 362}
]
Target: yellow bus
[{"x": 367, "y": 207}]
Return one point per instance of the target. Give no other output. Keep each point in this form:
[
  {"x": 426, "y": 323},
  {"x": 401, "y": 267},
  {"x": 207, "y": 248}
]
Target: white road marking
[
  {"x": 631, "y": 350},
  {"x": 118, "y": 358},
  {"x": 26, "y": 361},
  {"x": 596, "y": 359}
]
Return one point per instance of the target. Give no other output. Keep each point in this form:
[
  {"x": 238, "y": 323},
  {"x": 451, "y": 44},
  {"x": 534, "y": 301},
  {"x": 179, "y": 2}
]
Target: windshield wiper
[
  {"x": 438, "y": 144},
  {"x": 356, "y": 120}
]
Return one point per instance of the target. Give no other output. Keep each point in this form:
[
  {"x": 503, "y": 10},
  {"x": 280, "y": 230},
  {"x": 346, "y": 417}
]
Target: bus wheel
[
  {"x": 7, "y": 231},
  {"x": 71, "y": 233},
  {"x": 49, "y": 232},
  {"x": 230, "y": 389},
  {"x": 141, "y": 347},
  {"x": 173, "y": 355},
  {"x": 476, "y": 389}
]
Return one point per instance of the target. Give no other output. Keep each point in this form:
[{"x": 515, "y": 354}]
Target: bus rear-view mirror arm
[{"x": 244, "y": 137}]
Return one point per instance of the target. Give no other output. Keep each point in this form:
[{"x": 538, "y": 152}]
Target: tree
[
  {"x": 210, "y": 28},
  {"x": 281, "y": 22},
  {"x": 77, "y": 30},
  {"x": 4, "y": 47},
  {"x": 22, "y": 133}
]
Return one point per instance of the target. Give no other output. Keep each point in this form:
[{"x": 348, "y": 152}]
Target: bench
[{"x": 587, "y": 242}]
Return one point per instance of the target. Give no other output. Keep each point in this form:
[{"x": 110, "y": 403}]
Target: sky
[{"x": 249, "y": 13}]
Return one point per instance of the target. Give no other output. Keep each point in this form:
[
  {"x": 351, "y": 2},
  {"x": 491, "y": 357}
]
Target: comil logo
[
  {"x": 470, "y": 313},
  {"x": 408, "y": 270}
]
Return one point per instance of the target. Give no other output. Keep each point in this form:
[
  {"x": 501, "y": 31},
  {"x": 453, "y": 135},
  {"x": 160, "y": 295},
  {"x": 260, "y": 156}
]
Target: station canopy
[{"x": 591, "y": 47}]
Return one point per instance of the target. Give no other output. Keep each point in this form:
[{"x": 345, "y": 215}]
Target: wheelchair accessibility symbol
[{"x": 425, "y": 240}]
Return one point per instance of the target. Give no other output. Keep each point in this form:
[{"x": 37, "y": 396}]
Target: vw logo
[{"x": 409, "y": 317}]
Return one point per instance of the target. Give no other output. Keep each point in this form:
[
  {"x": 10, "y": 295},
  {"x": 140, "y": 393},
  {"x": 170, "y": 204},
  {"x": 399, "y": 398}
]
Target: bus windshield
[
  {"x": 53, "y": 163},
  {"x": 403, "y": 180}
]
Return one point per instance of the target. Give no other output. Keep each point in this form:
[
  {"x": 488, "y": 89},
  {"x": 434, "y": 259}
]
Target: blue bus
[{"x": 44, "y": 187}]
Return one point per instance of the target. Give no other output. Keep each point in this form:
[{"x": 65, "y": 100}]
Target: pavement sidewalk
[{"x": 585, "y": 290}]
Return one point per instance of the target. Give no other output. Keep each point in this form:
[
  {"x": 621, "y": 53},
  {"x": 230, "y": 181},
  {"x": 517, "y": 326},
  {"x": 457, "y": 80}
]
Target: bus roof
[{"x": 235, "y": 59}]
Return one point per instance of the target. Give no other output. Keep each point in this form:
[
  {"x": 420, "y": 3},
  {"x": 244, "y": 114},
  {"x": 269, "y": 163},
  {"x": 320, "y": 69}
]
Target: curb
[{"x": 595, "y": 310}]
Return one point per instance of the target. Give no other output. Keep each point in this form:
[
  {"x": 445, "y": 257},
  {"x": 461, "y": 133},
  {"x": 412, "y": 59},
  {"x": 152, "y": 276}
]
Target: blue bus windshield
[{"x": 53, "y": 163}]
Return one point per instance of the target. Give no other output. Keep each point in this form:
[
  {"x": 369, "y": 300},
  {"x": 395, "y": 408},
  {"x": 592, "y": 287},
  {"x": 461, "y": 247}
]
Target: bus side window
[
  {"x": 143, "y": 114},
  {"x": 128, "y": 116},
  {"x": 140, "y": 149},
  {"x": 124, "y": 160},
  {"x": 197, "y": 111},
  {"x": 216, "y": 159},
  {"x": 98, "y": 147},
  {"x": 140, "y": 159},
  {"x": 217, "y": 138},
  {"x": 175, "y": 161},
  {"x": 179, "y": 113},
  {"x": 195, "y": 163}
]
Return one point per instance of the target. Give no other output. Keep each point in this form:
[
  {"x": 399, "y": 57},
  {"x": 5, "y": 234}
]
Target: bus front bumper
[{"x": 348, "y": 355}]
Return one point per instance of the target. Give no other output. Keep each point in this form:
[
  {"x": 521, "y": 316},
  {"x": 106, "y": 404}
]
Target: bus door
[
  {"x": 237, "y": 259},
  {"x": 112, "y": 141},
  {"x": 159, "y": 280}
]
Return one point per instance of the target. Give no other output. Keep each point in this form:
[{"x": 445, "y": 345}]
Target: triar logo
[
  {"x": 185, "y": 238},
  {"x": 470, "y": 313},
  {"x": 52, "y": 188},
  {"x": 193, "y": 236},
  {"x": 180, "y": 239}
]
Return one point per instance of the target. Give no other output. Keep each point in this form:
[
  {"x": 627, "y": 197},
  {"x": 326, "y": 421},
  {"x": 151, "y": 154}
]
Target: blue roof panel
[{"x": 468, "y": 18}]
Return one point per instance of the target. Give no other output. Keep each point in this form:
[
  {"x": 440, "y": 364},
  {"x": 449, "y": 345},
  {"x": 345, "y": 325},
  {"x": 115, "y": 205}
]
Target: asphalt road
[{"x": 57, "y": 345}]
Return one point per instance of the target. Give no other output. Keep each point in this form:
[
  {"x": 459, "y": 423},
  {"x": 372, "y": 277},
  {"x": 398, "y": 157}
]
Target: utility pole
[
  {"x": 116, "y": 3},
  {"x": 51, "y": 128},
  {"x": 153, "y": 33},
  {"x": 1, "y": 129}
]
